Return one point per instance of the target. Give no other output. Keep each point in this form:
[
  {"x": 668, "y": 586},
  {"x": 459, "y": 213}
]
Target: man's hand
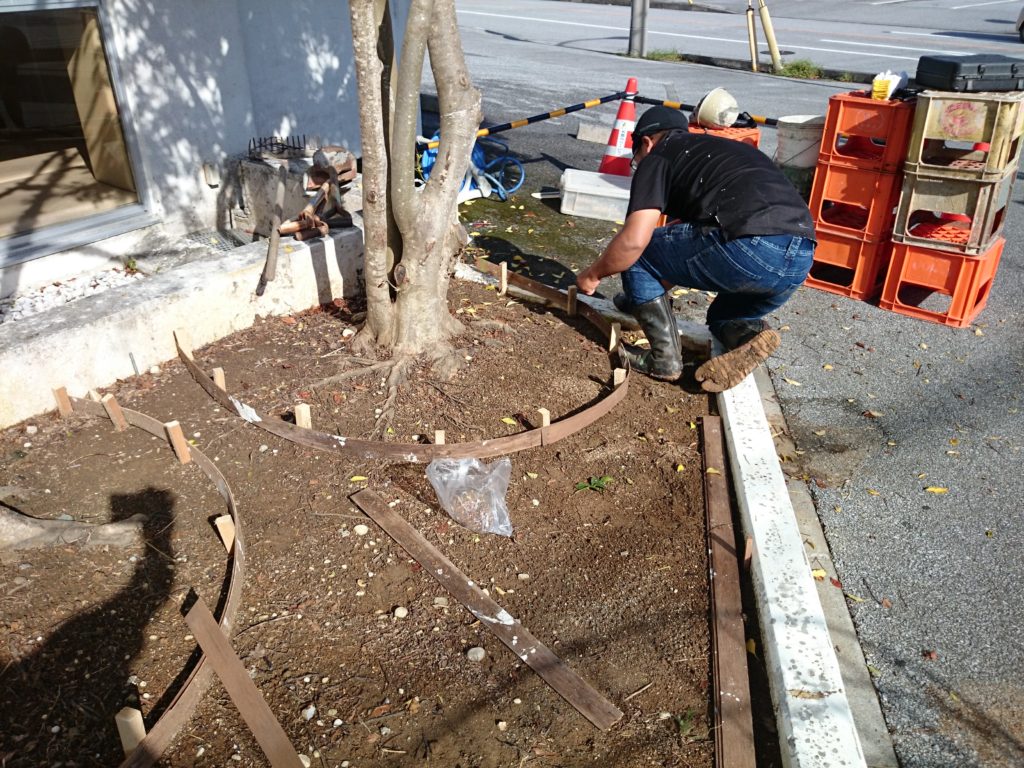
[{"x": 586, "y": 282}]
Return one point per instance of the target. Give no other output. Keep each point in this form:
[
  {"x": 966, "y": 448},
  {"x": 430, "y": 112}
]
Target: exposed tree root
[
  {"x": 18, "y": 531},
  {"x": 353, "y": 373},
  {"x": 399, "y": 373}
]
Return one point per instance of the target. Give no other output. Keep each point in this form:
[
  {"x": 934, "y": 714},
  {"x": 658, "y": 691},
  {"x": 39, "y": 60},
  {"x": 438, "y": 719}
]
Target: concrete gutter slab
[{"x": 90, "y": 343}]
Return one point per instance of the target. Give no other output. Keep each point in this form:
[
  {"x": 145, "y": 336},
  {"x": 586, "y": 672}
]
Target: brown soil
[{"x": 614, "y": 582}]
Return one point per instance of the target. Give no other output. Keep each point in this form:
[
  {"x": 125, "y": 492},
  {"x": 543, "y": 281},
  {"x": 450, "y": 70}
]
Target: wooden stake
[
  {"x": 178, "y": 441},
  {"x": 63, "y": 402},
  {"x": 438, "y": 437},
  {"x": 115, "y": 413},
  {"x": 613, "y": 337},
  {"x": 130, "y": 728},
  {"x": 618, "y": 376},
  {"x": 226, "y": 529},
  {"x": 240, "y": 687},
  {"x": 503, "y": 278},
  {"x": 545, "y": 417},
  {"x": 748, "y": 554},
  {"x": 571, "y": 300},
  {"x": 218, "y": 378},
  {"x": 303, "y": 418},
  {"x": 531, "y": 651},
  {"x": 94, "y": 396}
]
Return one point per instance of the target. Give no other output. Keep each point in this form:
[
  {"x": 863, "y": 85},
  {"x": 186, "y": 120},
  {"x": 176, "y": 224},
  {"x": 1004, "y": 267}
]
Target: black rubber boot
[
  {"x": 664, "y": 359},
  {"x": 750, "y": 343},
  {"x": 735, "y": 333},
  {"x": 623, "y": 304}
]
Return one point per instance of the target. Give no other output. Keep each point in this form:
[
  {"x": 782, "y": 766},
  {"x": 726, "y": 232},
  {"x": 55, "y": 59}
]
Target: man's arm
[{"x": 623, "y": 251}]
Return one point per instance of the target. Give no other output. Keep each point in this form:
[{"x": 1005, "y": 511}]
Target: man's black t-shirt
[{"x": 718, "y": 182}]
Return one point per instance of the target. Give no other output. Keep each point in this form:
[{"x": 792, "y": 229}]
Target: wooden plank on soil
[
  {"x": 734, "y": 731},
  {"x": 574, "y": 689},
  {"x": 240, "y": 687}
]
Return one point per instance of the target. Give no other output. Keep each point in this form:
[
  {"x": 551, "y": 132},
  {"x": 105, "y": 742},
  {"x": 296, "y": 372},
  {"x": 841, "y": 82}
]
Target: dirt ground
[{"x": 614, "y": 581}]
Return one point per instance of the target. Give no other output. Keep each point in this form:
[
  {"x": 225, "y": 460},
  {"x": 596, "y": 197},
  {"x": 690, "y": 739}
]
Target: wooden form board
[
  {"x": 734, "y": 731},
  {"x": 240, "y": 687},
  {"x": 574, "y": 689},
  {"x": 410, "y": 452},
  {"x": 165, "y": 730}
]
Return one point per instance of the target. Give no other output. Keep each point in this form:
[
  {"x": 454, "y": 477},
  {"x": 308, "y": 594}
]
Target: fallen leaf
[
  {"x": 790, "y": 381},
  {"x": 532, "y": 475},
  {"x": 929, "y": 654},
  {"x": 289, "y": 320},
  {"x": 872, "y": 414},
  {"x": 508, "y": 420},
  {"x": 874, "y": 671},
  {"x": 835, "y": 583},
  {"x": 873, "y": 492},
  {"x": 827, "y": 367},
  {"x": 800, "y": 693},
  {"x": 954, "y": 441},
  {"x": 936, "y": 489},
  {"x": 989, "y": 533},
  {"x": 713, "y": 471},
  {"x": 886, "y": 602},
  {"x": 978, "y": 332},
  {"x": 819, "y": 432},
  {"x": 680, "y": 467},
  {"x": 953, "y": 696},
  {"x": 670, "y": 409},
  {"x": 854, "y": 597},
  {"x": 819, "y": 574},
  {"x": 752, "y": 646},
  {"x": 357, "y": 479}
]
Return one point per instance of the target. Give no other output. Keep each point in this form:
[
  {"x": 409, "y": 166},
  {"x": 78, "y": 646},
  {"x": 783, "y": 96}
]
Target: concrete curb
[
  {"x": 816, "y": 724},
  {"x": 100, "y": 336}
]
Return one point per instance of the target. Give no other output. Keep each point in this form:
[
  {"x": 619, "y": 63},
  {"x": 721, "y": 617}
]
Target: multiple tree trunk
[{"x": 412, "y": 234}]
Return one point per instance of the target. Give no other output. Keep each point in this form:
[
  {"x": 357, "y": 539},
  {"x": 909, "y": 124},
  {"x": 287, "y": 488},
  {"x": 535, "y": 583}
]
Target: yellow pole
[
  {"x": 769, "y": 34},
  {"x": 752, "y": 35}
]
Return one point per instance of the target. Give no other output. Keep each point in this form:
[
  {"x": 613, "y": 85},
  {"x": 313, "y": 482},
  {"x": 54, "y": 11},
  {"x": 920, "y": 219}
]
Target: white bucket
[{"x": 799, "y": 140}]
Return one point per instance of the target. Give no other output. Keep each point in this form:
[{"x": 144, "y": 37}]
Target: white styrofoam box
[{"x": 595, "y": 195}]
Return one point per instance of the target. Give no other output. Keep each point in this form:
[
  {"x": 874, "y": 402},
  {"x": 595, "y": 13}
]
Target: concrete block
[
  {"x": 596, "y": 133},
  {"x": 86, "y": 344}
]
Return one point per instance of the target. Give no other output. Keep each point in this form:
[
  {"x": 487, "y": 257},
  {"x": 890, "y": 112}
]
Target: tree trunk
[
  {"x": 411, "y": 314},
  {"x": 18, "y": 532}
]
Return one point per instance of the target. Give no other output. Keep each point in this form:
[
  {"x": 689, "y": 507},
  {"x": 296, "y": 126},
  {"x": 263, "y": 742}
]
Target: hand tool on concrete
[{"x": 270, "y": 267}]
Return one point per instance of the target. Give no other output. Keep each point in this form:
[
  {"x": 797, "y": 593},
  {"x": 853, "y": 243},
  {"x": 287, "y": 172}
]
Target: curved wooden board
[
  {"x": 419, "y": 452},
  {"x": 184, "y": 703}
]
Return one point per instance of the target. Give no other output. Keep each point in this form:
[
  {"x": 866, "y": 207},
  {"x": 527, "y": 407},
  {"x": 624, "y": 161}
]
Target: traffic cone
[{"x": 619, "y": 152}]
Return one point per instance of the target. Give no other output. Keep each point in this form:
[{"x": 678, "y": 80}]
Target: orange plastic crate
[
  {"x": 849, "y": 266},
  {"x": 861, "y": 132},
  {"x": 917, "y": 275},
  {"x": 751, "y": 136},
  {"x": 853, "y": 201}
]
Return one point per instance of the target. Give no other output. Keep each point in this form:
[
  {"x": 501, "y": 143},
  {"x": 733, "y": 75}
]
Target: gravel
[{"x": 57, "y": 294}]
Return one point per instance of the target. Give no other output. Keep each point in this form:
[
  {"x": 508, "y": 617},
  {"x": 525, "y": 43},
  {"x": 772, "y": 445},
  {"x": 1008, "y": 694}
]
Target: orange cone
[{"x": 619, "y": 152}]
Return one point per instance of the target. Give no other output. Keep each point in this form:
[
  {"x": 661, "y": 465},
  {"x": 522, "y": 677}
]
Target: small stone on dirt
[
  {"x": 155, "y": 370},
  {"x": 401, "y": 612},
  {"x": 361, "y": 530},
  {"x": 502, "y": 726},
  {"x": 306, "y": 762},
  {"x": 523, "y": 576},
  {"x": 440, "y": 602},
  {"x": 476, "y": 654},
  {"x": 309, "y": 712},
  {"x": 31, "y": 429}
]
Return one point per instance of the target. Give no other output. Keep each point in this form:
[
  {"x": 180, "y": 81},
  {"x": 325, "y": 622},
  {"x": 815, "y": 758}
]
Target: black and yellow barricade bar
[
  {"x": 545, "y": 116},
  {"x": 759, "y": 119}
]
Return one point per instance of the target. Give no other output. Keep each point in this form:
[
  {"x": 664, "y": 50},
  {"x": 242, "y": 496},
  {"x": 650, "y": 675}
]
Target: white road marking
[
  {"x": 891, "y": 2},
  {"x": 895, "y": 47},
  {"x": 979, "y": 5}
]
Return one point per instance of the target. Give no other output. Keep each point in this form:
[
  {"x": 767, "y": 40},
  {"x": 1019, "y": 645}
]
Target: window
[{"x": 62, "y": 149}]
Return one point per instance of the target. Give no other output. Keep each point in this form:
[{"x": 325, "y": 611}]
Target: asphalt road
[
  {"x": 934, "y": 579},
  {"x": 854, "y": 35}
]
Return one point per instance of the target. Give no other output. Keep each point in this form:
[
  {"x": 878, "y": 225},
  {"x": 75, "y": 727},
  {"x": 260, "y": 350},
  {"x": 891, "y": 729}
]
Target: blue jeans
[{"x": 753, "y": 276}]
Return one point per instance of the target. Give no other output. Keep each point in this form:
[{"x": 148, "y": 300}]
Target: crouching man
[{"x": 743, "y": 232}]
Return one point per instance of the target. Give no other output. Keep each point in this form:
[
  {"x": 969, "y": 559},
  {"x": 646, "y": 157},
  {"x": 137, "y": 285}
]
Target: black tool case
[{"x": 980, "y": 72}]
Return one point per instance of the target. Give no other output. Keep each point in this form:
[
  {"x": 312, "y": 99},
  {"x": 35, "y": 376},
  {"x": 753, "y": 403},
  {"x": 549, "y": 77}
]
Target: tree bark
[
  {"x": 18, "y": 532},
  {"x": 426, "y": 217}
]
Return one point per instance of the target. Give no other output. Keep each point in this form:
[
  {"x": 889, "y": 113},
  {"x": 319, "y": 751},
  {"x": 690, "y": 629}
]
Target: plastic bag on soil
[{"x": 473, "y": 493}]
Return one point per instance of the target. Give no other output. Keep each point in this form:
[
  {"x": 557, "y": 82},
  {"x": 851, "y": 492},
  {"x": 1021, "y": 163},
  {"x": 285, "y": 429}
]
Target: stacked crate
[
  {"x": 855, "y": 191},
  {"x": 751, "y": 136},
  {"x": 959, "y": 173}
]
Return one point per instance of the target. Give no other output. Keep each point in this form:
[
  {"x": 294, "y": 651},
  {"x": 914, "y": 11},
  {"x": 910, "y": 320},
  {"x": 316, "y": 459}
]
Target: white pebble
[
  {"x": 309, "y": 712},
  {"x": 401, "y": 612},
  {"x": 523, "y": 576},
  {"x": 31, "y": 429},
  {"x": 361, "y": 530},
  {"x": 502, "y": 726},
  {"x": 306, "y": 762},
  {"x": 55, "y": 729},
  {"x": 155, "y": 370},
  {"x": 476, "y": 654},
  {"x": 441, "y": 602},
  {"x": 517, "y": 701},
  {"x": 337, "y": 722}
]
